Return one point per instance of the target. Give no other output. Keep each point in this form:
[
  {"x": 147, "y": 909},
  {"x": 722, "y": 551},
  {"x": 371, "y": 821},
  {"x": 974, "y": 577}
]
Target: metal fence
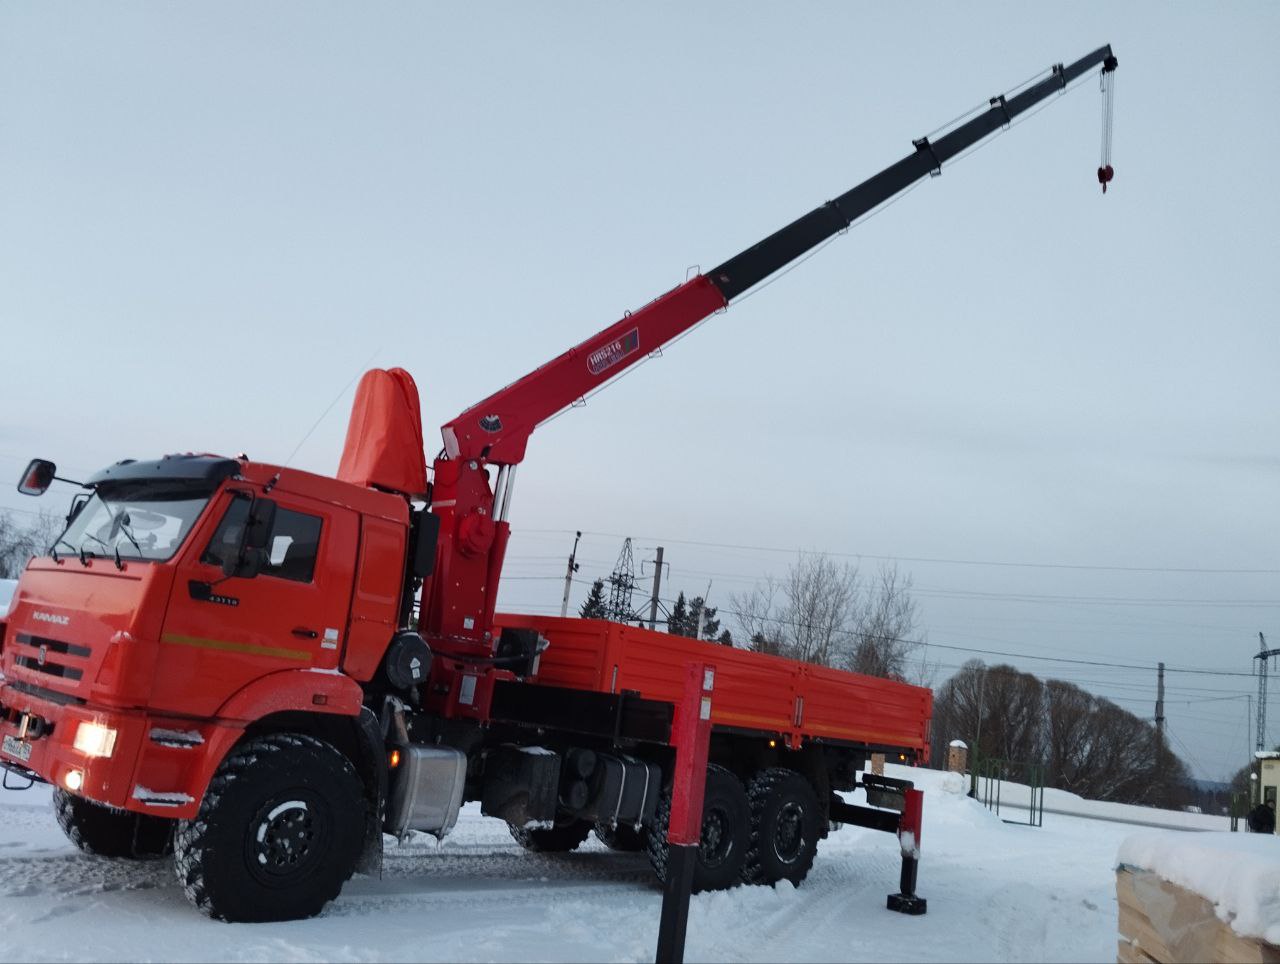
[{"x": 987, "y": 780}]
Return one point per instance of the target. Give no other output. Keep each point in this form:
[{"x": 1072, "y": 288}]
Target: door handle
[{"x": 305, "y": 633}]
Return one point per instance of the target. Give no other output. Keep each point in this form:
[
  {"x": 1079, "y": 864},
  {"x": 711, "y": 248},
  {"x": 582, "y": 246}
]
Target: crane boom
[
  {"x": 458, "y": 599},
  {"x": 498, "y": 428}
]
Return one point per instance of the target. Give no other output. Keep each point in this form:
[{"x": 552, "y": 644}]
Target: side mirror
[
  {"x": 249, "y": 558},
  {"x": 252, "y": 563},
  {"x": 262, "y": 517},
  {"x": 77, "y": 504},
  {"x": 37, "y": 477},
  {"x": 247, "y": 565}
]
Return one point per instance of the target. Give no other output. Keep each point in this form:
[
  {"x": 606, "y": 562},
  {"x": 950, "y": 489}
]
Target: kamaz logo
[{"x": 41, "y": 617}]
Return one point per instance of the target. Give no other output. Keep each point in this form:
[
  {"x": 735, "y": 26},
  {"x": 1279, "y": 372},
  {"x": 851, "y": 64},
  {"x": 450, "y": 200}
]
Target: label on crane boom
[{"x": 609, "y": 355}]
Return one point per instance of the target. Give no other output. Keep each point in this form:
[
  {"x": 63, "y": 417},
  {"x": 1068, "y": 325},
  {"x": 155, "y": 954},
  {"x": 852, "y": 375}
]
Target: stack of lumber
[
  {"x": 1163, "y": 922},
  {"x": 1199, "y": 897}
]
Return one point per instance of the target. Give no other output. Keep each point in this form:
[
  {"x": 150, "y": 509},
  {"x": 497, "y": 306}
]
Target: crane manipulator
[{"x": 469, "y": 518}]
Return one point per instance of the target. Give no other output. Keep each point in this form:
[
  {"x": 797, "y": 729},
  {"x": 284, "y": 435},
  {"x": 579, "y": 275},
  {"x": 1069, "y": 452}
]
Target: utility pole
[
  {"x": 1160, "y": 706},
  {"x": 568, "y": 576},
  {"x": 657, "y": 583},
  {"x": 1263, "y": 655},
  {"x": 1247, "y": 717}
]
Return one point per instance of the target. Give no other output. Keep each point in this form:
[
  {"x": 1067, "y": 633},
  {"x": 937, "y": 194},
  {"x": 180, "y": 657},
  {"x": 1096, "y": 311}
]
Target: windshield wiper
[
  {"x": 124, "y": 527},
  {"x": 53, "y": 549},
  {"x": 114, "y": 548},
  {"x": 85, "y": 552}
]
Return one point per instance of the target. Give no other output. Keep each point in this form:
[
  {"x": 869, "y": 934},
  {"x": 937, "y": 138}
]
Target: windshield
[{"x": 147, "y": 520}]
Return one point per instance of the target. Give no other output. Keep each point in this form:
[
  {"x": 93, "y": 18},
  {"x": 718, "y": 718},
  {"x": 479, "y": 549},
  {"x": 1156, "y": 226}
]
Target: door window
[
  {"x": 226, "y": 540},
  {"x": 292, "y": 543},
  {"x": 292, "y": 546}
]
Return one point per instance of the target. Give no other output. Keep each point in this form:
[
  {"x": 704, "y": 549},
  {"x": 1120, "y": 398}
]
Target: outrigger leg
[{"x": 907, "y": 901}]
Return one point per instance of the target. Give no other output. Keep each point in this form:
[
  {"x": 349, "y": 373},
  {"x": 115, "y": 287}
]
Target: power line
[{"x": 926, "y": 559}]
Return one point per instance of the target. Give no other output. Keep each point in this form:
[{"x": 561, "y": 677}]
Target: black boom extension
[{"x": 753, "y": 265}]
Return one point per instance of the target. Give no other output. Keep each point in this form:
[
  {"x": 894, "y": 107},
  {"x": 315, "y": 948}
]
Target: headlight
[{"x": 94, "y": 739}]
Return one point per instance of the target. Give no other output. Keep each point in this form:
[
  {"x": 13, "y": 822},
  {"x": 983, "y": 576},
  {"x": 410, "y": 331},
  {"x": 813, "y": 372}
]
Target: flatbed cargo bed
[{"x": 792, "y": 701}]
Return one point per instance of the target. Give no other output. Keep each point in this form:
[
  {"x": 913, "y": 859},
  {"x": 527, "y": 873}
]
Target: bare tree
[
  {"x": 821, "y": 607},
  {"x": 18, "y": 543},
  {"x": 884, "y": 630},
  {"x": 1090, "y": 746},
  {"x": 825, "y": 612},
  {"x": 997, "y": 710},
  {"x": 756, "y": 620}
]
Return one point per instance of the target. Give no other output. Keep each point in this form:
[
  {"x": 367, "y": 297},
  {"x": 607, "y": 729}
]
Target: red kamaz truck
[{"x": 264, "y": 670}]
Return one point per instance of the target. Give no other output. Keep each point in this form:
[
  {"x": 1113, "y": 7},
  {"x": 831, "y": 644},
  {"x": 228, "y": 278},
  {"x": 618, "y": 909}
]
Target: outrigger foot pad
[{"x": 908, "y": 904}]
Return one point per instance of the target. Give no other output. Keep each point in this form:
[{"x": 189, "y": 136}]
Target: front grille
[
  {"x": 53, "y": 696},
  {"x": 53, "y": 658}
]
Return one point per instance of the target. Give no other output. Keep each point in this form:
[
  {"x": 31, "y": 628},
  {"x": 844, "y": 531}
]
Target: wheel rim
[
  {"x": 716, "y": 842},
  {"x": 286, "y": 839},
  {"x": 788, "y": 832}
]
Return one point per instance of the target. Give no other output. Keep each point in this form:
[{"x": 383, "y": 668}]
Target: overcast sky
[{"x": 1056, "y": 409}]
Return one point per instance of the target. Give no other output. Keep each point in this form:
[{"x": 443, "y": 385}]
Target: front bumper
[{"x": 158, "y": 765}]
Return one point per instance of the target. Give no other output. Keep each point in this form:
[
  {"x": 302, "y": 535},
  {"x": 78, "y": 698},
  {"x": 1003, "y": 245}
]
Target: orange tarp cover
[{"x": 384, "y": 437}]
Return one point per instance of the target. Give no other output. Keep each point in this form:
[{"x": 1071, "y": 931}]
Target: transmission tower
[
  {"x": 622, "y": 585},
  {"x": 1263, "y": 655}
]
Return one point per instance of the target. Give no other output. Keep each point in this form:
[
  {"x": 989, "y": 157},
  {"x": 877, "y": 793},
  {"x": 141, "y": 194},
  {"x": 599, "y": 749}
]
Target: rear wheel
[
  {"x": 108, "y": 832},
  {"x": 561, "y": 838},
  {"x": 277, "y": 834},
  {"x": 784, "y": 827},
  {"x": 722, "y": 847}
]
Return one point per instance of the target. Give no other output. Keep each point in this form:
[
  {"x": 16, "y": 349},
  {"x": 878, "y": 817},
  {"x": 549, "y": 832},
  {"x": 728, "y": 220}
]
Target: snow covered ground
[{"x": 996, "y": 891}]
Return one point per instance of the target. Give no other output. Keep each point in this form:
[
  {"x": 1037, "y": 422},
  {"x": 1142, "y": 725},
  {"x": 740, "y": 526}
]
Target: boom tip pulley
[{"x": 1107, "y": 83}]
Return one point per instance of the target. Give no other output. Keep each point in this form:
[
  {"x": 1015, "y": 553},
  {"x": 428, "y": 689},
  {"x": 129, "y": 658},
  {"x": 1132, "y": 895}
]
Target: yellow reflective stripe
[
  {"x": 773, "y": 722},
  {"x": 196, "y": 641}
]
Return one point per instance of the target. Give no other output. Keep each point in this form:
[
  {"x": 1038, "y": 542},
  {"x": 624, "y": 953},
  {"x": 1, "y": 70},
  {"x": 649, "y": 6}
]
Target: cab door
[{"x": 221, "y": 633}]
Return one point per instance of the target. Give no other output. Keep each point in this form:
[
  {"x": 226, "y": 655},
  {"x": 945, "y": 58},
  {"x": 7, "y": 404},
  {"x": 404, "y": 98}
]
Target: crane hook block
[{"x": 1105, "y": 174}]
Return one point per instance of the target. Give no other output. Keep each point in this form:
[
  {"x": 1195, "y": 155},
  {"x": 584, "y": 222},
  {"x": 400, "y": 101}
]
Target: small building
[{"x": 1268, "y": 782}]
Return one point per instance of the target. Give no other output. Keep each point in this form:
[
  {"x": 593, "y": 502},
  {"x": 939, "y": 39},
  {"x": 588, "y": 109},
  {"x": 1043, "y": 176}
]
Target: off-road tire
[
  {"x": 725, "y": 833},
  {"x": 560, "y": 839},
  {"x": 785, "y": 826},
  {"x": 108, "y": 832},
  {"x": 621, "y": 838},
  {"x": 277, "y": 834}
]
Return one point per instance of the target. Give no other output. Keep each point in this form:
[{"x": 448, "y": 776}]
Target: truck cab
[{"x": 189, "y": 598}]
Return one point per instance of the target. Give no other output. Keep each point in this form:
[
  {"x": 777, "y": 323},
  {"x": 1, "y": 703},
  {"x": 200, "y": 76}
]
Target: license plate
[{"x": 15, "y": 747}]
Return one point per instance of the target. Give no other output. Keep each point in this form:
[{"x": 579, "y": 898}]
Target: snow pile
[
  {"x": 7, "y": 589},
  {"x": 1238, "y": 873},
  {"x": 953, "y": 783}
]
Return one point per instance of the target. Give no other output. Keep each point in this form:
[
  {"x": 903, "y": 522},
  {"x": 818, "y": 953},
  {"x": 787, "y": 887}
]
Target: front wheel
[
  {"x": 722, "y": 847},
  {"x": 278, "y": 832},
  {"x": 108, "y": 832}
]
